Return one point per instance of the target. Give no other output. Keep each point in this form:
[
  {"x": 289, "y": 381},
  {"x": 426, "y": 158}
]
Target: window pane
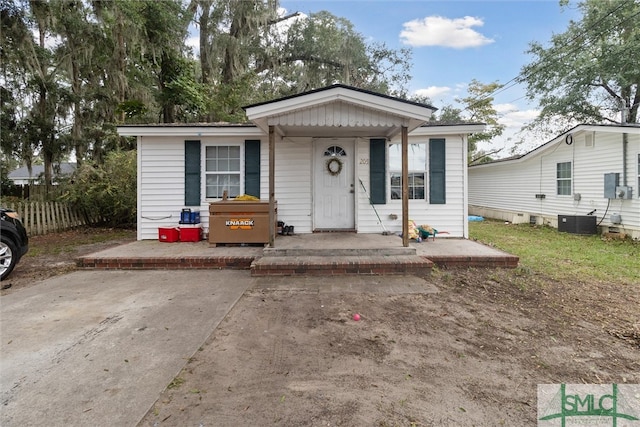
[
  {"x": 223, "y": 159},
  {"x": 416, "y": 186},
  {"x": 564, "y": 170},
  {"x": 417, "y": 165},
  {"x": 416, "y": 157},
  {"x": 218, "y": 183},
  {"x": 563, "y": 175},
  {"x": 234, "y": 152},
  {"x": 396, "y": 186},
  {"x": 564, "y": 188},
  {"x": 334, "y": 151},
  {"x": 223, "y": 165}
]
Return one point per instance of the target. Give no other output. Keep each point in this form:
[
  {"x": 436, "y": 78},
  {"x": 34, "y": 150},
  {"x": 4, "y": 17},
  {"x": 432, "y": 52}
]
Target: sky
[{"x": 456, "y": 41}]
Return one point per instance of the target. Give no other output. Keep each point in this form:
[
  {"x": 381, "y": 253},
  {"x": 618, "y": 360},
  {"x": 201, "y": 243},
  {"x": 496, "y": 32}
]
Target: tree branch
[
  {"x": 284, "y": 18},
  {"x": 485, "y": 155}
]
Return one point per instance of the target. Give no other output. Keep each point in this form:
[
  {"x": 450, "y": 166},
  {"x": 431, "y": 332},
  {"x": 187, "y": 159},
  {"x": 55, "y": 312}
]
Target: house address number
[{"x": 364, "y": 161}]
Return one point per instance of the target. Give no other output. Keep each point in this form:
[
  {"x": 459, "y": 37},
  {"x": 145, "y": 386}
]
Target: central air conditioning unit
[{"x": 577, "y": 224}]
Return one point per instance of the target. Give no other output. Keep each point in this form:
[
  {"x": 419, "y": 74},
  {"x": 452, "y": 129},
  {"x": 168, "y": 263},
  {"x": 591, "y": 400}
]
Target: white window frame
[
  {"x": 564, "y": 179},
  {"x": 638, "y": 188},
  {"x": 206, "y": 172},
  {"x": 411, "y": 171}
]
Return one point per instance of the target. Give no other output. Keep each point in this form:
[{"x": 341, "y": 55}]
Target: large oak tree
[{"x": 590, "y": 72}]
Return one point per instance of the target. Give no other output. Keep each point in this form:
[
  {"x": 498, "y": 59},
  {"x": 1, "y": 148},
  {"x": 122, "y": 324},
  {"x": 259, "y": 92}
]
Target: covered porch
[{"x": 332, "y": 119}]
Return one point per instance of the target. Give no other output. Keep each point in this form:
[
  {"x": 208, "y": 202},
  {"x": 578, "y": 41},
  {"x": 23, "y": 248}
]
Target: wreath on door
[{"x": 334, "y": 166}]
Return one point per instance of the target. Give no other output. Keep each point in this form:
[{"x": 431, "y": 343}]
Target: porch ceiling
[{"x": 339, "y": 111}]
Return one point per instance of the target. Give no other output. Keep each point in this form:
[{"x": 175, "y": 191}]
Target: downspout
[{"x": 625, "y": 143}]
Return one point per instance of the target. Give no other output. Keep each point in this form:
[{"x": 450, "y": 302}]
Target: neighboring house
[
  {"x": 591, "y": 169},
  {"x": 334, "y": 149},
  {"x": 21, "y": 175}
]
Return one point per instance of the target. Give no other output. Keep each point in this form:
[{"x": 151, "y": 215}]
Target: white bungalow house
[
  {"x": 591, "y": 170},
  {"x": 332, "y": 158}
]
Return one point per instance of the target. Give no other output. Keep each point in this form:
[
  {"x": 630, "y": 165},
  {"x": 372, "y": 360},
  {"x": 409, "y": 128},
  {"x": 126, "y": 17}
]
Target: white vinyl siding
[
  {"x": 160, "y": 184},
  {"x": 293, "y": 174},
  {"x": 161, "y": 187},
  {"x": 508, "y": 189},
  {"x": 450, "y": 217}
]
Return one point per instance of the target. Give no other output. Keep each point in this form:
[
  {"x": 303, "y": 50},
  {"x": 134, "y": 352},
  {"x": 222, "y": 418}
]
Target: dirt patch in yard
[
  {"x": 56, "y": 253},
  {"x": 471, "y": 354}
]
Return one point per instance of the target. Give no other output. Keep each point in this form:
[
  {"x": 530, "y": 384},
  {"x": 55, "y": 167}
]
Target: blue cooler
[{"x": 187, "y": 216}]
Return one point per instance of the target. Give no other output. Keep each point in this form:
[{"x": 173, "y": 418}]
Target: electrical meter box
[
  {"x": 623, "y": 192},
  {"x": 611, "y": 181}
]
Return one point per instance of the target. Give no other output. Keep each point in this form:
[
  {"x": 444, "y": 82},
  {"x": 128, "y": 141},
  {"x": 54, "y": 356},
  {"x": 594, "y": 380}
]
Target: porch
[{"x": 307, "y": 254}]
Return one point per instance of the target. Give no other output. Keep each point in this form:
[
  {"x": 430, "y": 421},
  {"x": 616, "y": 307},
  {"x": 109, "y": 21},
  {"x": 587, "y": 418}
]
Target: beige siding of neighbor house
[{"x": 507, "y": 190}]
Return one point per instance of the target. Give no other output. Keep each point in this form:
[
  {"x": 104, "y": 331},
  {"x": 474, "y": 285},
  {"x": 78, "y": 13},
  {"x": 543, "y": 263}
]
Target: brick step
[
  {"x": 166, "y": 263},
  {"x": 340, "y": 265},
  {"x": 338, "y": 252}
]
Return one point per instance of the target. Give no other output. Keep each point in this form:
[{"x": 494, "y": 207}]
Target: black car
[{"x": 14, "y": 241}]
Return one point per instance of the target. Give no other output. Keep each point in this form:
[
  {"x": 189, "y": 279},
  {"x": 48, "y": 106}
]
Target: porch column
[
  {"x": 405, "y": 187},
  {"x": 272, "y": 186}
]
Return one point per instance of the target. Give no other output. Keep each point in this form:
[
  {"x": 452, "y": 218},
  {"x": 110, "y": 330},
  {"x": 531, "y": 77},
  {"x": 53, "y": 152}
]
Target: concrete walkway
[{"x": 96, "y": 348}]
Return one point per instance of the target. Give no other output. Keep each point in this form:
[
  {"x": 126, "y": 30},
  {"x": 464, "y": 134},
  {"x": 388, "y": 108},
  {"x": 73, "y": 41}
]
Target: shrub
[{"x": 107, "y": 191}]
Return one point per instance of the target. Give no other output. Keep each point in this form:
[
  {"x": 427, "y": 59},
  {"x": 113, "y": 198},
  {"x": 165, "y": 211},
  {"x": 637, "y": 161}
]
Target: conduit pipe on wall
[{"x": 625, "y": 142}]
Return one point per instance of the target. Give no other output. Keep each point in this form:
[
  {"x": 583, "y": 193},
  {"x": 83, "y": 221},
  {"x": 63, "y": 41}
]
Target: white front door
[{"x": 333, "y": 185}]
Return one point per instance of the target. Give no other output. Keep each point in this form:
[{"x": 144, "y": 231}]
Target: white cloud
[
  {"x": 512, "y": 117},
  {"x": 193, "y": 41},
  {"x": 440, "y": 31},
  {"x": 434, "y": 91}
]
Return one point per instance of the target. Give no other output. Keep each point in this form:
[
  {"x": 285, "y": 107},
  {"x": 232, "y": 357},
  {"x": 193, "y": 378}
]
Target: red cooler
[
  {"x": 168, "y": 235},
  {"x": 190, "y": 233}
]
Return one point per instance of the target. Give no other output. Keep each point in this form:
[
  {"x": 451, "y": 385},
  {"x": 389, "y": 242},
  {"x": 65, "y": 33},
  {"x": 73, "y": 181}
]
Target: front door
[{"x": 333, "y": 185}]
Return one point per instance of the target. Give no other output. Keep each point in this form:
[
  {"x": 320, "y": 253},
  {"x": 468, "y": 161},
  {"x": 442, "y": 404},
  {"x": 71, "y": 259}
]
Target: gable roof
[
  {"x": 551, "y": 144},
  {"x": 22, "y": 173},
  {"x": 340, "y": 85},
  {"x": 339, "y": 110}
]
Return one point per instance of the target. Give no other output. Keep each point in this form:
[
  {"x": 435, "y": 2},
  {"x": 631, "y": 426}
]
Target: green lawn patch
[{"x": 545, "y": 250}]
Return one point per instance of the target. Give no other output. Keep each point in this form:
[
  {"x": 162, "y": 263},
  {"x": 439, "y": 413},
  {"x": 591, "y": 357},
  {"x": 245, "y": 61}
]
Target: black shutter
[
  {"x": 437, "y": 175},
  {"x": 378, "y": 171},
  {"x": 252, "y": 167},
  {"x": 192, "y": 173}
]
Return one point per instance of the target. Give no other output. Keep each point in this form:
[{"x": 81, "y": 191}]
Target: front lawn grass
[{"x": 545, "y": 250}]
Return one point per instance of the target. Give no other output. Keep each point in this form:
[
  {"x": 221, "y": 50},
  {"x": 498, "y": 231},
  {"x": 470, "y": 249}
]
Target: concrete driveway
[{"x": 98, "y": 347}]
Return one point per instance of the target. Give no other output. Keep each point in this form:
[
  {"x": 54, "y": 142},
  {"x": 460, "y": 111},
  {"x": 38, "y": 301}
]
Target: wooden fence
[{"x": 49, "y": 217}]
